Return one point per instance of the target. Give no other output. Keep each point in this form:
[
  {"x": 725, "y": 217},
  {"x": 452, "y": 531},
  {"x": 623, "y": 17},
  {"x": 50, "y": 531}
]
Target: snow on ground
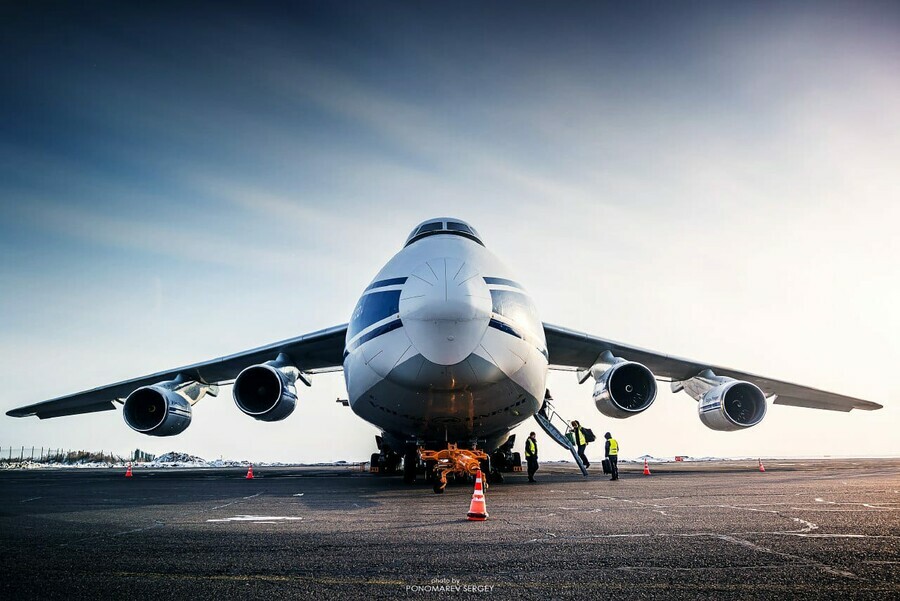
[
  {"x": 172, "y": 459},
  {"x": 175, "y": 459}
]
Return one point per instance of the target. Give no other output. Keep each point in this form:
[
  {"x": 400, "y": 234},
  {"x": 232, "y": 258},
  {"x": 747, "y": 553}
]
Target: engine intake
[
  {"x": 734, "y": 405},
  {"x": 267, "y": 392},
  {"x": 157, "y": 411},
  {"x": 623, "y": 388}
]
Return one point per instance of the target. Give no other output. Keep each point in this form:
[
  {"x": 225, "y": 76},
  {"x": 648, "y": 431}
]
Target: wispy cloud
[{"x": 185, "y": 241}]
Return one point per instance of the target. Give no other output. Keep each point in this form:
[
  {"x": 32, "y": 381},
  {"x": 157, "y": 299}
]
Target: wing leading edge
[
  {"x": 317, "y": 350},
  {"x": 570, "y": 348}
]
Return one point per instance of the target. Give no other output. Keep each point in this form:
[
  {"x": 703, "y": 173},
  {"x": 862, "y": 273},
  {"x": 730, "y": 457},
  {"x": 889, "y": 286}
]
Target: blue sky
[{"x": 181, "y": 182}]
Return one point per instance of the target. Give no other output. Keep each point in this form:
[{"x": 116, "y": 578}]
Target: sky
[{"x": 181, "y": 181}]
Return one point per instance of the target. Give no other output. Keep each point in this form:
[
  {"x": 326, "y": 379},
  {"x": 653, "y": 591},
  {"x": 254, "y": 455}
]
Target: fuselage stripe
[
  {"x": 388, "y": 327},
  {"x": 508, "y": 329},
  {"x": 503, "y": 282},
  {"x": 389, "y": 282}
]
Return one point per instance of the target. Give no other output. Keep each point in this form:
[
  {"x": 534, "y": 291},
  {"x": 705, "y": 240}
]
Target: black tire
[
  {"x": 410, "y": 463},
  {"x": 375, "y": 460},
  {"x": 517, "y": 460},
  {"x": 438, "y": 488}
]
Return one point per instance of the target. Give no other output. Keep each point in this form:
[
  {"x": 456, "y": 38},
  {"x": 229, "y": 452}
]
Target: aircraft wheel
[
  {"x": 439, "y": 488},
  {"x": 410, "y": 463}
]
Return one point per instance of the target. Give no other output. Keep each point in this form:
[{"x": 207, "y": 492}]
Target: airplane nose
[{"x": 445, "y": 308}]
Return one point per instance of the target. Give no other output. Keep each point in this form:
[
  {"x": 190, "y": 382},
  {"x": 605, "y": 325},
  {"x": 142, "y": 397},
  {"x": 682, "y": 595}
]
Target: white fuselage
[{"x": 445, "y": 346}]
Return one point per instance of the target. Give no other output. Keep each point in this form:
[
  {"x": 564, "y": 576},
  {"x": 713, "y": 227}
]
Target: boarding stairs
[{"x": 545, "y": 418}]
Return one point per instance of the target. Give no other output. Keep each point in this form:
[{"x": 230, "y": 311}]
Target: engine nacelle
[
  {"x": 733, "y": 405},
  {"x": 623, "y": 388},
  {"x": 267, "y": 392},
  {"x": 157, "y": 411}
]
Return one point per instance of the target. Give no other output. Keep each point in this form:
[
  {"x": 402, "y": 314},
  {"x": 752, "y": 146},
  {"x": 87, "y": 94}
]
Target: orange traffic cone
[
  {"x": 128, "y": 471},
  {"x": 477, "y": 509},
  {"x": 761, "y": 466},
  {"x": 646, "y": 468},
  {"x": 250, "y": 472}
]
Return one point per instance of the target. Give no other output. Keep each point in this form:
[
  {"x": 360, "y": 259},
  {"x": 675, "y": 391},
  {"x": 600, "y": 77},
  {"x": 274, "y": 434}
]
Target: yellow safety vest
[
  {"x": 613, "y": 447},
  {"x": 579, "y": 437},
  {"x": 530, "y": 447}
]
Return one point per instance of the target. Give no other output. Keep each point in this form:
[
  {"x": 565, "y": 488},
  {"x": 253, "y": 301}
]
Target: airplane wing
[
  {"x": 569, "y": 348},
  {"x": 318, "y": 350}
]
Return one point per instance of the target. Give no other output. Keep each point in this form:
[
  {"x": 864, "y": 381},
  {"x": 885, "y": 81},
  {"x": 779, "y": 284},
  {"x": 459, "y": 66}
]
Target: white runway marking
[
  {"x": 150, "y": 527},
  {"x": 31, "y": 499},
  {"x": 761, "y": 549},
  {"x": 809, "y": 525},
  {"x": 734, "y": 538},
  {"x": 801, "y": 535},
  {"x": 235, "y": 501},
  {"x": 876, "y": 561},
  {"x": 299, "y": 494},
  {"x": 262, "y": 519}
]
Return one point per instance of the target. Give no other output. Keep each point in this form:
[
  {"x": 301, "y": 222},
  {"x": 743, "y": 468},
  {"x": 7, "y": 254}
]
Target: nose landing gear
[{"x": 452, "y": 460}]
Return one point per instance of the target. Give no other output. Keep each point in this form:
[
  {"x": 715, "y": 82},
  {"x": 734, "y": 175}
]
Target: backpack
[{"x": 588, "y": 435}]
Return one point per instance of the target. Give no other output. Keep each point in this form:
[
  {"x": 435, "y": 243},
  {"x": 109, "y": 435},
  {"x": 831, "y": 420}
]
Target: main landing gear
[{"x": 453, "y": 461}]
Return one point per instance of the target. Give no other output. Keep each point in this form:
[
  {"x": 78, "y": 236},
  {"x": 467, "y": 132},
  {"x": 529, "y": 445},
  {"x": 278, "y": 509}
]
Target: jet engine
[
  {"x": 157, "y": 411},
  {"x": 267, "y": 392},
  {"x": 724, "y": 404},
  {"x": 623, "y": 388},
  {"x": 733, "y": 405}
]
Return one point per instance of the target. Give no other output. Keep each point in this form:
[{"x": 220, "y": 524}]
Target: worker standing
[
  {"x": 581, "y": 442},
  {"x": 531, "y": 455},
  {"x": 612, "y": 453}
]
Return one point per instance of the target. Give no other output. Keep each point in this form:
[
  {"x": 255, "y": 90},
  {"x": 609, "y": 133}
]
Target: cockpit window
[
  {"x": 455, "y": 226},
  {"x": 431, "y": 227},
  {"x": 515, "y": 306},
  {"x": 443, "y": 226}
]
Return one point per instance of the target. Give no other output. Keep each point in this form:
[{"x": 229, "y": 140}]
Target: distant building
[{"x": 140, "y": 455}]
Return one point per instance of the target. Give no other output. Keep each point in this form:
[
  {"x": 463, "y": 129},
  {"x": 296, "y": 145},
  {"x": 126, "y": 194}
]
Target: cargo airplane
[{"x": 445, "y": 354}]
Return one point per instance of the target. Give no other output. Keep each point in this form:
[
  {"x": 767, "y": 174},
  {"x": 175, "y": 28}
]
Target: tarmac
[{"x": 720, "y": 530}]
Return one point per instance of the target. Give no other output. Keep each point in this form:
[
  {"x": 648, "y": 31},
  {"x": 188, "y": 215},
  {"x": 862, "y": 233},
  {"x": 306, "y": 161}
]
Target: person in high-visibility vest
[
  {"x": 612, "y": 453},
  {"x": 531, "y": 455},
  {"x": 581, "y": 442}
]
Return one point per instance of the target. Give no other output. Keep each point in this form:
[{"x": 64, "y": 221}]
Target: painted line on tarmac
[
  {"x": 824, "y": 567},
  {"x": 153, "y": 526},
  {"x": 808, "y": 527},
  {"x": 265, "y": 519},
  {"x": 235, "y": 501},
  {"x": 263, "y": 578},
  {"x": 156, "y": 524}
]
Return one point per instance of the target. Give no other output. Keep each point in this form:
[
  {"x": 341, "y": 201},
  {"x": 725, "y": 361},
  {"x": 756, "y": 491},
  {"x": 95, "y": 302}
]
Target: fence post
[{"x": 22, "y": 454}]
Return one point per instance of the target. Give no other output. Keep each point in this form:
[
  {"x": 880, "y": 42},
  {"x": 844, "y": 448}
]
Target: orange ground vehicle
[{"x": 452, "y": 460}]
